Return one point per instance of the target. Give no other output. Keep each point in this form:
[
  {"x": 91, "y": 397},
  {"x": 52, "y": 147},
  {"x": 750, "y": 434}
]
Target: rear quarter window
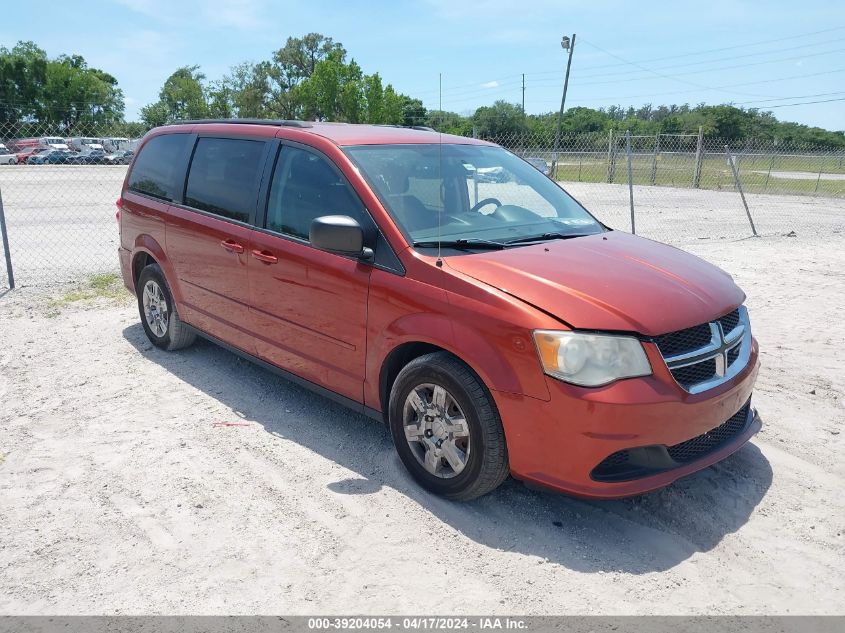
[{"x": 155, "y": 168}]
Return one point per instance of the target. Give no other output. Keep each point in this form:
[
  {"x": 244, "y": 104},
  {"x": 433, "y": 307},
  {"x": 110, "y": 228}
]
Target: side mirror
[{"x": 339, "y": 234}]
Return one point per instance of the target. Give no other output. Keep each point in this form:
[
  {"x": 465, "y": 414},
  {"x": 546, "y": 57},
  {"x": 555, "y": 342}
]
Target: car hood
[{"x": 609, "y": 281}]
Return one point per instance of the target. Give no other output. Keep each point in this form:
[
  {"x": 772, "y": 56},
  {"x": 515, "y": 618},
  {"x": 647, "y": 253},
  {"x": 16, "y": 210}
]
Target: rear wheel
[
  {"x": 446, "y": 428},
  {"x": 158, "y": 312}
]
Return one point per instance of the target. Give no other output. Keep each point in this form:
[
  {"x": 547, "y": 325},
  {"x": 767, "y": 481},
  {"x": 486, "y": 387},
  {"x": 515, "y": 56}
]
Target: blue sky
[{"x": 764, "y": 54}]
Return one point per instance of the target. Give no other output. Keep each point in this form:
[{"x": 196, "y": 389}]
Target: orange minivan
[{"x": 449, "y": 288}]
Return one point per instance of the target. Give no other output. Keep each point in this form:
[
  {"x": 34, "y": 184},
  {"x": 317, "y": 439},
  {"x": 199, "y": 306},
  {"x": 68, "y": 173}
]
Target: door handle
[
  {"x": 264, "y": 256},
  {"x": 232, "y": 246}
]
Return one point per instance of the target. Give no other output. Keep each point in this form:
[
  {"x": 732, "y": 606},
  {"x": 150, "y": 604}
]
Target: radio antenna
[{"x": 440, "y": 169}]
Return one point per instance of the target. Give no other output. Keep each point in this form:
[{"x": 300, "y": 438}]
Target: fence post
[
  {"x": 630, "y": 180},
  {"x": 654, "y": 159},
  {"x": 699, "y": 151},
  {"x": 769, "y": 173},
  {"x": 6, "y": 251},
  {"x": 732, "y": 163},
  {"x": 611, "y": 157}
]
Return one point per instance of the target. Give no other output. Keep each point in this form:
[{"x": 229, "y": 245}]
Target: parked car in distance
[
  {"x": 90, "y": 157},
  {"x": 540, "y": 164},
  {"x": 51, "y": 157},
  {"x": 23, "y": 155},
  {"x": 113, "y": 144},
  {"x": 84, "y": 143},
  {"x": 6, "y": 156},
  {"x": 120, "y": 157},
  {"x": 496, "y": 327}
]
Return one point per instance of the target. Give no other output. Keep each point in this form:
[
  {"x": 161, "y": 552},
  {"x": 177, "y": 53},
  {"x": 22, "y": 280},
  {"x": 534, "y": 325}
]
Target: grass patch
[
  {"x": 677, "y": 171},
  {"x": 107, "y": 286}
]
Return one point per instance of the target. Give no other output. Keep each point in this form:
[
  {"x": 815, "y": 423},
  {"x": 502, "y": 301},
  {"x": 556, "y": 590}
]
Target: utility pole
[
  {"x": 566, "y": 44},
  {"x": 523, "y": 94}
]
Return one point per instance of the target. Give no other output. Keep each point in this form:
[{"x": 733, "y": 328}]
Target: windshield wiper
[
  {"x": 547, "y": 236},
  {"x": 462, "y": 244}
]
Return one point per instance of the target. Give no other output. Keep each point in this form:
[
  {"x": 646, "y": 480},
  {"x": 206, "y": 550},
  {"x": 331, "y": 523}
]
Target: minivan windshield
[{"x": 469, "y": 195}]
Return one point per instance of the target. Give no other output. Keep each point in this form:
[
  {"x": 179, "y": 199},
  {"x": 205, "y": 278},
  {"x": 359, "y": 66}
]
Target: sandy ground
[{"x": 138, "y": 481}]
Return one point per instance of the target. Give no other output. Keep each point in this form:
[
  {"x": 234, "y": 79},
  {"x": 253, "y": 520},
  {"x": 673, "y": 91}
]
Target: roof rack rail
[
  {"x": 276, "y": 122},
  {"x": 422, "y": 128}
]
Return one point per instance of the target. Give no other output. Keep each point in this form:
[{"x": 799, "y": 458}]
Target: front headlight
[{"x": 590, "y": 360}]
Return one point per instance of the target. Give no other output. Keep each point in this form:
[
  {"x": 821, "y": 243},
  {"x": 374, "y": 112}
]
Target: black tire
[
  {"x": 487, "y": 461},
  {"x": 176, "y": 334}
]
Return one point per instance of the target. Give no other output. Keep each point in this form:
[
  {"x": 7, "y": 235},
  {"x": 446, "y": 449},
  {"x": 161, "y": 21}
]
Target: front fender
[{"x": 403, "y": 311}]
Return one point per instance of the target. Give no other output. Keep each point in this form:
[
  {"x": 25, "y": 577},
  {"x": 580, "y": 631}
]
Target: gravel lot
[
  {"x": 62, "y": 228},
  {"x": 138, "y": 481}
]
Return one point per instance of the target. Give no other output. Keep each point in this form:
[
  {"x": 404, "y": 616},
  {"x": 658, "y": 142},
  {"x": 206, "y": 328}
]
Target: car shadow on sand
[{"x": 652, "y": 532}]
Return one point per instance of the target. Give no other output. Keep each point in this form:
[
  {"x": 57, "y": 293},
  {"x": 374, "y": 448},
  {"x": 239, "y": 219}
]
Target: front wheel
[
  {"x": 158, "y": 312},
  {"x": 446, "y": 428}
]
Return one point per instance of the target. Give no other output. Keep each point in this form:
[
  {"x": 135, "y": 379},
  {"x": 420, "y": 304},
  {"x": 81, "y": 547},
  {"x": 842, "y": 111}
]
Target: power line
[
  {"x": 659, "y": 74},
  {"x": 695, "y": 72},
  {"x": 725, "y": 48},
  {"x": 675, "y": 92},
  {"x": 474, "y": 88},
  {"x": 820, "y": 94},
  {"x": 789, "y": 105},
  {"x": 717, "y": 68},
  {"x": 698, "y": 63}
]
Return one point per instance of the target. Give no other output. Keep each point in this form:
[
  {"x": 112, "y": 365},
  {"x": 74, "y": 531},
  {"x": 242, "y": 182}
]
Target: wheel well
[
  {"x": 394, "y": 363},
  {"x": 139, "y": 263}
]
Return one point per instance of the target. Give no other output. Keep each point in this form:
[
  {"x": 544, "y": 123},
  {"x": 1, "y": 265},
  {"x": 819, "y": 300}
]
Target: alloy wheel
[
  {"x": 155, "y": 308},
  {"x": 436, "y": 430}
]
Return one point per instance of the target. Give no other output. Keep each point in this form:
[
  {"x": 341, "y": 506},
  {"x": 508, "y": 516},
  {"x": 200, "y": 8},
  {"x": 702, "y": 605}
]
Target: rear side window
[
  {"x": 223, "y": 178},
  {"x": 306, "y": 186},
  {"x": 154, "y": 170}
]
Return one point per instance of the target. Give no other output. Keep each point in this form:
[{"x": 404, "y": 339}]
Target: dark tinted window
[
  {"x": 224, "y": 175},
  {"x": 306, "y": 186},
  {"x": 154, "y": 170}
]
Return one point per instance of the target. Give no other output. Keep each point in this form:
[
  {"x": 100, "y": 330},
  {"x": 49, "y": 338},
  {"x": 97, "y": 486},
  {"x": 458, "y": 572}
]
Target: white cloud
[
  {"x": 490, "y": 84},
  {"x": 152, "y": 8},
  {"x": 238, "y": 14},
  {"x": 497, "y": 10}
]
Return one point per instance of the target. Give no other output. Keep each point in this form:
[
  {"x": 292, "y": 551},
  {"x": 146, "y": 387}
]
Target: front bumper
[{"x": 558, "y": 443}]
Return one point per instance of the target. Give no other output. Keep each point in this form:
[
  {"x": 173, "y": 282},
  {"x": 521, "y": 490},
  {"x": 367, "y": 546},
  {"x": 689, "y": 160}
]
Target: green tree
[
  {"x": 292, "y": 64},
  {"x": 394, "y": 106},
  {"x": 374, "y": 98},
  {"x": 334, "y": 91},
  {"x": 500, "y": 119},
  {"x": 413, "y": 111},
  {"x": 244, "y": 92},
  {"x": 725, "y": 121},
  {"x": 23, "y": 74},
  {"x": 182, "y": 97},
  {"x": 63, "y": 92},
  {"x": 75, "y": 94},
  {"x": 449, "y": 122}
]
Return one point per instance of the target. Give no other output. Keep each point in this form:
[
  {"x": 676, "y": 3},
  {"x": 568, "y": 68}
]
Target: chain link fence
[
  {"x": 685, "y": 188},
  {"x": 58, "y": 192}
]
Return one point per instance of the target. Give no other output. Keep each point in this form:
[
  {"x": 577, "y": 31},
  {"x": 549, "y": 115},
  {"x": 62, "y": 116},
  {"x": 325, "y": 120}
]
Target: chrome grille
[
  {"x": 730, "y": 321},
  {"x": 707, "y": 355},
  {"x": 683, "y": 340},
  {"x": 691, "y": 375}
]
